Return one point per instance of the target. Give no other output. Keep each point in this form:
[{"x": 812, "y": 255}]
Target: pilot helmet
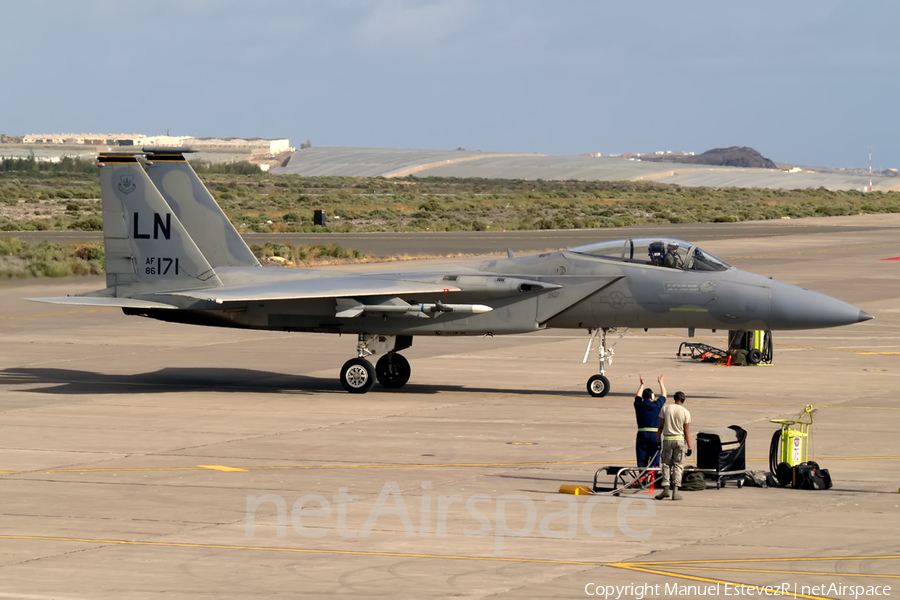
[{"x": 673, "y": 246}]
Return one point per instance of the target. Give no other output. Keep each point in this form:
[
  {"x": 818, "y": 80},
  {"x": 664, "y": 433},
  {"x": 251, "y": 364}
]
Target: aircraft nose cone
[{"x": 798, "y": 308}]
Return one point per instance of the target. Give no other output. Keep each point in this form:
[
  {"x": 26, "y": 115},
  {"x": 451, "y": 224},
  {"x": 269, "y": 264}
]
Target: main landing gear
[
  {"x": 598, "y": 385},
  {"x": 392, "y": 370}
]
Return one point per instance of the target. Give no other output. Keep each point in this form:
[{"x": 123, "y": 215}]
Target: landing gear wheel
[
  {"x": 754, "y": 356},
  {"x": 357, "y": 376},
  {"x": 598, "y": 386},
  {"x": 392, "y": 371}
]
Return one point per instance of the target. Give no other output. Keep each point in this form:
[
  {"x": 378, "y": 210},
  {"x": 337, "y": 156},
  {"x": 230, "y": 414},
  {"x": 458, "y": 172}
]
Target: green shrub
[
  {"x": 49, "y": 259},
  {"x": 89, "y": 223}
]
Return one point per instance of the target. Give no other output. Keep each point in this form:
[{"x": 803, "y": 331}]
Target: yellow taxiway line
[
  {"x": 629, "y": 400},
  {"x": 795, "y": 347},
  {"x": 769, "y": 560},
  {"x": 780, "y": 572},
  {"x": 643, "y": 567},
  {"x": 634, "y": 567},
  {"x": 225, "y": 468},
  {"x": 307, "y": 467},
  {"x": 305, "y": 550}
]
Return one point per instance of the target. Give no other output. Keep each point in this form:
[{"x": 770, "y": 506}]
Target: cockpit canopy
[{"x": 655, "y": 251}]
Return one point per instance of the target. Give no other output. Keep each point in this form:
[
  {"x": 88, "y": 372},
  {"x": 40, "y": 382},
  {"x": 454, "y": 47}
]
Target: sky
[{"x": 809, "y": 82}]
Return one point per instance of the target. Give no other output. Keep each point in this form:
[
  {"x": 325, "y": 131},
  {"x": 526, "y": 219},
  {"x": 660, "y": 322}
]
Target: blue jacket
[{"x": 647, "y": 412}]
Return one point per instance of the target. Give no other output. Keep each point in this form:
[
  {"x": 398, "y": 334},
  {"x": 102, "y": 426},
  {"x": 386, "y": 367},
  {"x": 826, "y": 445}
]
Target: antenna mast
[{"x": 870, "y": 168}]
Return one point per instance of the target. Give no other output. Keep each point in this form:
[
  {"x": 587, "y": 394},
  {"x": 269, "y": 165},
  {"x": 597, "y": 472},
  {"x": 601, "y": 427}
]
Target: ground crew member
[
  {"x": 646, "y": 411},
  {"x": 675, "y": 435}
]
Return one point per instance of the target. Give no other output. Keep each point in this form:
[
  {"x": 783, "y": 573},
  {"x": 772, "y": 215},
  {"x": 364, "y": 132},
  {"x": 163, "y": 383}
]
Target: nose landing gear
[
  {"x": 392, "y": 370},
  {"x": 598, "y": 385}
]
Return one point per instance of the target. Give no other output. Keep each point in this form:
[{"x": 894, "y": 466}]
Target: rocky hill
[{"x": 735, "y": 156}]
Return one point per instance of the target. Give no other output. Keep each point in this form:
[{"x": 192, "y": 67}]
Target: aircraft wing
[
  {"x": 329, "y": 287},
  {"x": 102, "y": 302}
]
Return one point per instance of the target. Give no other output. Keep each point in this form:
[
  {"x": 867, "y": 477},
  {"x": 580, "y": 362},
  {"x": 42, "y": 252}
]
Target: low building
[
  {"x": 103, "y": 139},
  {"x": 255, "y": 145}
]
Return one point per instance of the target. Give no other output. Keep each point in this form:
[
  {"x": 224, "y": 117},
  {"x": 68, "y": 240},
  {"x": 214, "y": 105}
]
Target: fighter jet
[{"x": 172, "y": 255}]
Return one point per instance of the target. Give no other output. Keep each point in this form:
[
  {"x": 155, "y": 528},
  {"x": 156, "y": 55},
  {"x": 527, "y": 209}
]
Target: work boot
[
  {"x": 663, "y": 494},
  {"x": 675, "y": 494}
]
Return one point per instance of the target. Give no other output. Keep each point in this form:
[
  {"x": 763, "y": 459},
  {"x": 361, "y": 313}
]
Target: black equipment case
[
  {"x": 808, "y": 476},
  {"x": 722, "y": 454}
]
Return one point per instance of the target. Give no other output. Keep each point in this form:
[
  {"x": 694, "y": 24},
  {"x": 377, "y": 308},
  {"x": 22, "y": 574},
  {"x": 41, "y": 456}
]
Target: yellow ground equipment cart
[
  {"x": 744, "y": 348},
  {"x": 789, "y": 449},
  {"x": 757, "y": 344}
]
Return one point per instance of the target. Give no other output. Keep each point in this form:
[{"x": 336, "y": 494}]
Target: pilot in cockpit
[{"x": 672, "y": 259}]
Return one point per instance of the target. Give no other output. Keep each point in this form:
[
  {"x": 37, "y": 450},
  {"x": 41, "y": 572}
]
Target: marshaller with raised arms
[{"x": 172, "y": 255}]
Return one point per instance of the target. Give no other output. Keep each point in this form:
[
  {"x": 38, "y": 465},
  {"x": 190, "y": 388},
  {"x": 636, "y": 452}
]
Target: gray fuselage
[{"x": 583, "y": 292}]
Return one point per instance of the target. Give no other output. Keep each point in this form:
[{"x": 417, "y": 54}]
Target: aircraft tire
[
  {"x": 754, "y": 357},
  {"x": 392, "y": 371},
  {"x": 598, "y": 386},
  {"x": 357, "y": 376}
]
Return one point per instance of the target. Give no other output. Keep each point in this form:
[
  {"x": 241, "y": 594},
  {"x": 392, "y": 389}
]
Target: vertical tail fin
[
  {"x": 147, "y": 247},
  {"x": 197, "y": 210}
]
